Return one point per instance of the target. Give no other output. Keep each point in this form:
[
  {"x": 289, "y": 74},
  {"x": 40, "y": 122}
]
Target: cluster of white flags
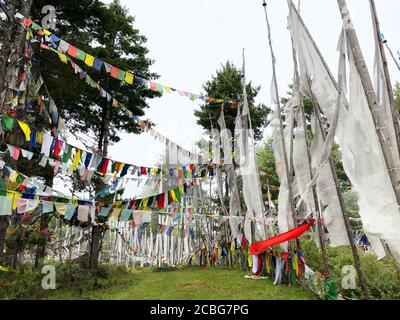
[{"x": 363, "y": 159}]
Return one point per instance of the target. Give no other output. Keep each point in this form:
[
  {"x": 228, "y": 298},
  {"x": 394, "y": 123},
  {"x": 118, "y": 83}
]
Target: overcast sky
[{"x": 189, "y": 39}]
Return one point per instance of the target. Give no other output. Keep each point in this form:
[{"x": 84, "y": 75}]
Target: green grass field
[{"x": 189, "y": 284}]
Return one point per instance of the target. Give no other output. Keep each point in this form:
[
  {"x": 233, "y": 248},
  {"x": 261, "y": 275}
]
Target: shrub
[
  {"x": 383, "y": 277},
  {"x": 25, "y": 283}
]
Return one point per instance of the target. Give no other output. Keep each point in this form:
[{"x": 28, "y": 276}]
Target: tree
[
  {"x": 107, "y": 32},
  {"x": 266, "y": 160},
  {"x": 268, "y": 176},
  {"x": 226, "y": 85},
  {"x": 104, "y": 31}
]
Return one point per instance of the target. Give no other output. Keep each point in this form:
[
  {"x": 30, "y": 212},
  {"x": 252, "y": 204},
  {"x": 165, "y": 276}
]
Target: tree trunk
[
  {"x": 10, "y": 53},
  {"x": 97, "y": 231}
]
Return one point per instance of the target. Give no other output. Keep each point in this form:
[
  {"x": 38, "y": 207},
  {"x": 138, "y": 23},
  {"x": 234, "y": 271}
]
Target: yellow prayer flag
[
  {"x": 167, "y": 89},
  {"x": 39, "y": 137},
  {"x": 115, "y": 214},
  {"x": 173, "y": 195},
  {"x": 129, "y": 78},
  {"x": 144, "y": 203},
  {"x": 249, "y": 261},
  {"x": 89, "y": 60},
  {"x": 46, "y": 32},
  {"x": 29, "y": 34},
  {"x": 12, "y": 185},
  {"x": 26, "y": 129},
  {"x": 13, "y": 176},
  {"x": 63, "y": 57},
  {"x": 77, "y": 157},
  {"x": 17, "y": 195}
]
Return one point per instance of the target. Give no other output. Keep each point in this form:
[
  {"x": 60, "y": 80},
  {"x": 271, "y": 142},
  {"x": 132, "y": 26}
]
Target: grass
[{"x": 188, "y": 284}]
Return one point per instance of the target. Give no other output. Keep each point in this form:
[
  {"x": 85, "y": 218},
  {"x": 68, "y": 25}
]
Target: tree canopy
[
  {"x": 106, "y": 31},
  {"x": 227, "y": 85}
]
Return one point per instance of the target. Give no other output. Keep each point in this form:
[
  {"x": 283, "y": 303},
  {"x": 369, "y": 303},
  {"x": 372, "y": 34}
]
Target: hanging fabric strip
[{"x": 260, "y": 247}]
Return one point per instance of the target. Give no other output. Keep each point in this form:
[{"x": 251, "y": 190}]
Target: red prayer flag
[
  {"x": 16, "y": 153},
  {"x": 261, "y": 246},
  {"x": 161, "y": 201},
  {"x": 27, "y": 22},
  {"x": 143, "y": 171},
  {"x": 104, "y": 166},
  {"x": 114, "y": 72},
  {"x": 43, "y": 46},
  {"x": 72, "y": 51},
  {"x": 153, "y": 85},
  {"x": 57, "y": 149}
]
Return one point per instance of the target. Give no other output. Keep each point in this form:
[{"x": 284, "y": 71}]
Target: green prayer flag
[
  {"x": 35, "y": 26},
  {"x": 178, "y": 194},
  {"x": 8, "y": 123},
  {"x": 293, "y": 278},
  {"x": 121, "y": 74},
  {"x": 330, "y": 290},
  {"x": 160, "y": 88},
  {"x": 81, "y": 55},
  {"x": 67, "y": 154},
  {"x": 19, "y": 179}
]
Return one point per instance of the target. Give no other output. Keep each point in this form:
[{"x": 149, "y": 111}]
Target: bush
[
  {"x": 25, "y": 283},
  {"x": 383, "y": 277}
]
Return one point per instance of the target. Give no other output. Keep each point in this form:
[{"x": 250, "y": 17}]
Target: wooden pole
[
  {"x": 278, "y": 107},
  {"x": 392, "y": 55},
  {"x": 372, "y": 100},
  {"x": 394, "y": 113},
  {"x": 317, "y": 209},
  {"x": 356, "y": 257}
]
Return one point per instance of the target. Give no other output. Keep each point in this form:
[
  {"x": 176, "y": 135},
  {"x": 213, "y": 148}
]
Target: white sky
[{"x": 189, "y": 39}]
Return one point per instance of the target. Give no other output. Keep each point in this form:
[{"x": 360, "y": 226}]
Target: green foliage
[
  {"x": 226, "y": 84},
  {"x": 351, "y": 202},
  {"x": 268, "y": 175},
  {"x": 382, "y": 277},
  {"x": 107, "y": 32},
  {"x": 26, "y": 282}
]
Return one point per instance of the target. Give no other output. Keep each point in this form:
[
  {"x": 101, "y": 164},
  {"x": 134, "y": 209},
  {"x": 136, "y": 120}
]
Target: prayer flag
[
  {"x": 76, "y": 159},
  {"x": 57, "y": 149},
  {"x": 63, "y": 57},
  {"x": 73, "y": 51},
  {"x": 114, "y": 72},
  {"x": 26, "y": 129},
  {"x": 33, "y": 139},
  {"x": 89, "y": 60},
  {"x": 102, "y": 168},
  {"x": 5, "y": 206},
  {"x": 67, "y": 154},
  {"x": 261, "y": 246},
  {"x": 81, "y": 55},
  {"x": 121, "y": 74},
  {"x": 8, "y": 122},
  {"x": 97, "y": 64},
  {"x": 129, "y": 77}
]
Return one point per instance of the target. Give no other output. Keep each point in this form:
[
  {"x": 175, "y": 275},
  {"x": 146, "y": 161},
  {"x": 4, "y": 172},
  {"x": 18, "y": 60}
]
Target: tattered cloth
[{"x": 261, "y": 246}]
